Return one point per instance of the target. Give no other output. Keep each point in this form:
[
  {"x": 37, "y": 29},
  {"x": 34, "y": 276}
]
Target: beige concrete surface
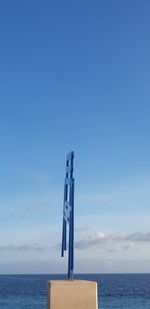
[{"x": 76, "y": 294}]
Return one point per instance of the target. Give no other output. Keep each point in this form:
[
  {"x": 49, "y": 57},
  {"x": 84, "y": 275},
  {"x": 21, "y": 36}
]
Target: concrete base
[{"x": 72, "y": 295}]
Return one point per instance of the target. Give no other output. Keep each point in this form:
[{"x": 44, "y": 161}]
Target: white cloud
[
  {"x": 100, "y": 238},
  {"x": 130, "y": 246},
  {"x": 22, "y": 247},
  {"x": 139, "y": 237}
]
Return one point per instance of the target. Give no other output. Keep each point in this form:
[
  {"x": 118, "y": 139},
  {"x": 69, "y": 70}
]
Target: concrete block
[{"x": 75, "y": 294}]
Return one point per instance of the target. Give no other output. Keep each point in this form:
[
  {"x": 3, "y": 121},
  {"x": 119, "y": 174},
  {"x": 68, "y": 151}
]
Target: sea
[{"x": 115, "y": 291}]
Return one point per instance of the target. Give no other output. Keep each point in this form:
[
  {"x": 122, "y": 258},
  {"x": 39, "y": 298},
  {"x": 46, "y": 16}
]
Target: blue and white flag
[{"x": 68, "y": 214}]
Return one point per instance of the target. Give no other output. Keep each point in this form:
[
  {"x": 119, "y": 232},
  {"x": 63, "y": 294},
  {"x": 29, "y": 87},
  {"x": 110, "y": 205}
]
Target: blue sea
[{"x": 127, "y": 291}]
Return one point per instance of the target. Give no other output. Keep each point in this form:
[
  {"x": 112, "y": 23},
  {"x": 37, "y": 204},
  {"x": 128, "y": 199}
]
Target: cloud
[
  {"x": 23, "y": 247},
  {"x": 139, "y": 237},
  {"x": 130, "y": 246},
  {"x": 91, "y": 240},
  {"x": 101, "y": 238}
]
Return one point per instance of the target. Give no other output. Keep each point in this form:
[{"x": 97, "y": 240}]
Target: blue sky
[{"x": 75, "y": 75}]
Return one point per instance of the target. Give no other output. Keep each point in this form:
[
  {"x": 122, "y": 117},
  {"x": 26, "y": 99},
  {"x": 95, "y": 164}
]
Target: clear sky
[{"x": 75, "y": 75}]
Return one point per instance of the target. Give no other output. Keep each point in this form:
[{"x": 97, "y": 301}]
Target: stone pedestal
[{"x": 72, "y": 295}]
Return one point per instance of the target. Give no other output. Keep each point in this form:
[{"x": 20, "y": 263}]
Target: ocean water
[{"x": 127, "y": 291}]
